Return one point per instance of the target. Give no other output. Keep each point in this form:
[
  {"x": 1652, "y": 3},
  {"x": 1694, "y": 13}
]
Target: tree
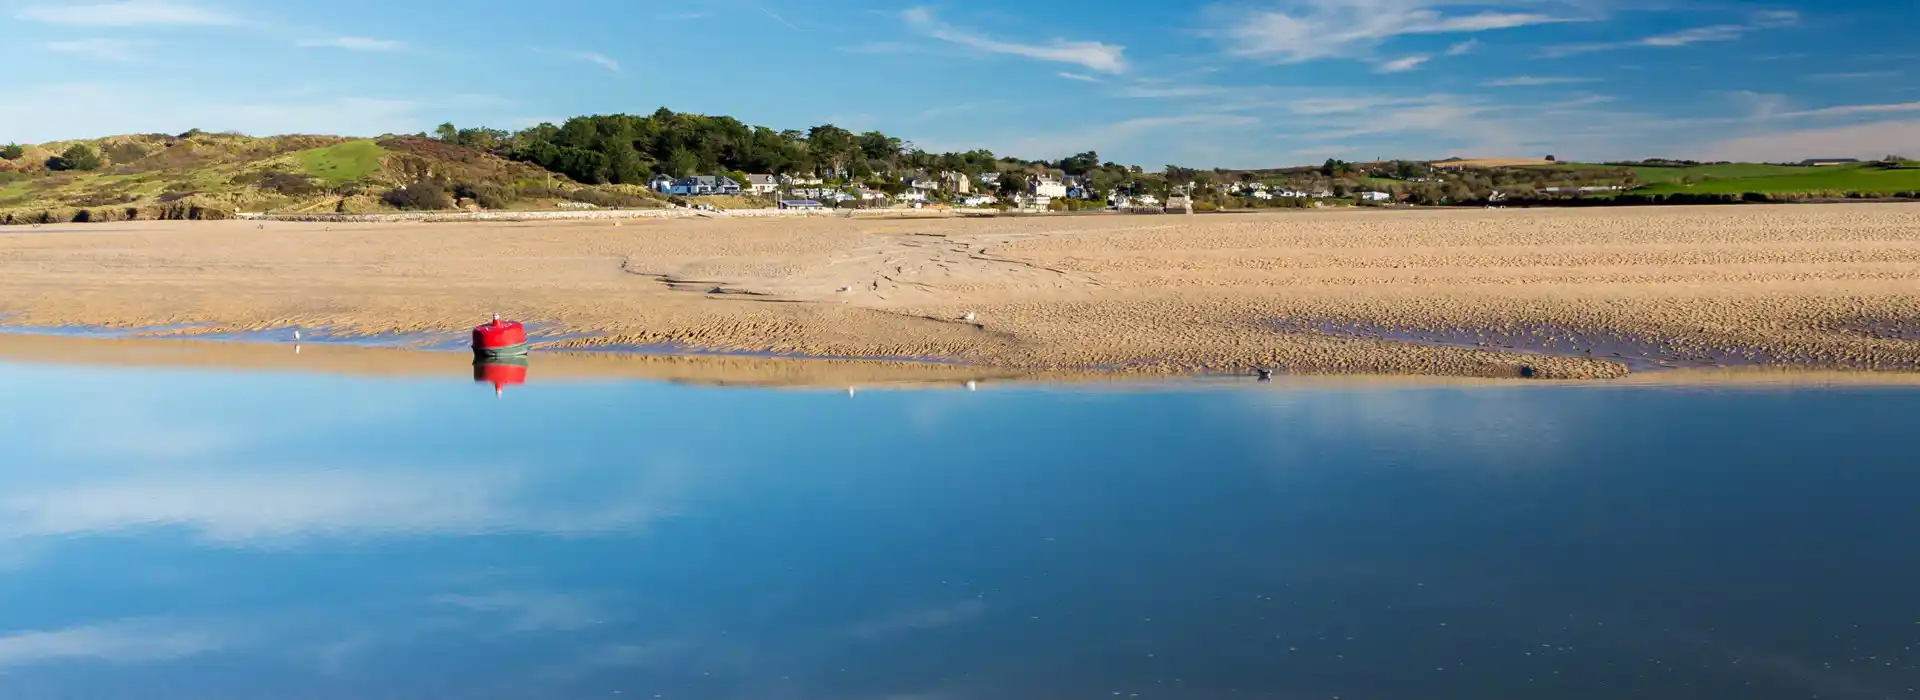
[
  {"x": 1335, "y": 167},
  {"x": 682, "y": 163},
  {"x": 77, "y": 157},
  {"x": 446, "y": 132},
  {"x": 1552, "y": 159},
  {"x": 12, "y": 151},
  {"x": 1012, "y": 184}
]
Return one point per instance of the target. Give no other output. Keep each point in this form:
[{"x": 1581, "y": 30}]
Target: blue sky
[{"x": 1233, "y": 83}]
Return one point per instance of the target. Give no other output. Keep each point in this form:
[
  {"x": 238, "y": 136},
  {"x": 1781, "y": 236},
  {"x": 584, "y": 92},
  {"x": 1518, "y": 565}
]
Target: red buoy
[{"x": 499, "y": 338}]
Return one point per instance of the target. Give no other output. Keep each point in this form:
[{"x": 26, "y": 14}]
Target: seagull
[
  {"x": 296, "y": 335},
  {"x": 973, "y": 385},
  {"x": 1264, "y": 374},
  {"x": 968, "y": 317}
]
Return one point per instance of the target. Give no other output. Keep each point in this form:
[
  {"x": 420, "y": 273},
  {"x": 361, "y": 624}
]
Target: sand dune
[{"x": 1473, "y": 293}]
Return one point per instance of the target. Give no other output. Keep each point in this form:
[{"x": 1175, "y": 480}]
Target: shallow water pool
[{"x": 192, "y": 533}]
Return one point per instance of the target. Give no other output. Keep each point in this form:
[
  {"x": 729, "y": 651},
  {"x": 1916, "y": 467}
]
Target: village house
[
  {"x": 1045, "y": 186},
  {"x": 955, "y": 182},
  {"x": 801, "y": 205},
  {"x": 1373, "y": 196},
  {"x": 989, "y": 179},
  {"x": 660, "y": 183},
  {"x": 923, "y": 185},
  {"x": 867, "y": 195},
  {"x": 762, "y": 184},
  {"x": 914, "y": 195},
  {"x": 792, "y": 180},
  {"x": 704, "y": 185},
  {"x": 979, "y": 200}
]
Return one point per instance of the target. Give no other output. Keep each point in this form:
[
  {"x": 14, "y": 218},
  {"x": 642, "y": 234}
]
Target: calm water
[{"x": 185, "y": 535}]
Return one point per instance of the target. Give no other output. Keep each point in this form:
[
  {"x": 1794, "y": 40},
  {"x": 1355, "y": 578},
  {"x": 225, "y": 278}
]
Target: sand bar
[{"x": 1812, "y": 286}]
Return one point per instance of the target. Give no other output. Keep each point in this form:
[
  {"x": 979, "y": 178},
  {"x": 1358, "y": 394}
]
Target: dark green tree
[
  {"x": 12, "y": 151},
  {"x": 77, "y": 157},
  {"x": 446, "y": 132}
]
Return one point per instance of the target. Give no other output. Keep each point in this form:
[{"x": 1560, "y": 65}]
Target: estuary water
[{"x": 184, "y": 534}]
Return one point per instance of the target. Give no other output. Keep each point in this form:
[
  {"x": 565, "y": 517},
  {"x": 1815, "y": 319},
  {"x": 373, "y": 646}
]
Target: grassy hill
[
  {"x": 1872, "y": 178},
  {"x": 203, "y": 175}
]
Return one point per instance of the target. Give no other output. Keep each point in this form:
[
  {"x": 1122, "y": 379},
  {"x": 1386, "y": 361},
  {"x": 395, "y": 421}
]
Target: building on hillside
[
  {"x": 989, "y": 179},
  {"x": 792, "y": 180},
  {"x": 704, "y": 185},
  {"x": 661, "y": 183},
  {"x": 867, "y": 195},
  {"x": 914, "y": 195},
  {"x": 1373, "y": 196},
  {"x": 1261, "y": 194},
  {"x": 1814, "y": 162},
  {"x": 979, "y": 200},
  {"x": 762, "y": 184},
  {"x": 1046, "y": 186},
  {"x": 955, "y": 182},
  {"x": 801, "y": 205},
  {"x": 925, "y": 185}
]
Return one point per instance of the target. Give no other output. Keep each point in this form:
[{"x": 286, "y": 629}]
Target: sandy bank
[{"x": 1335, "y": 292}]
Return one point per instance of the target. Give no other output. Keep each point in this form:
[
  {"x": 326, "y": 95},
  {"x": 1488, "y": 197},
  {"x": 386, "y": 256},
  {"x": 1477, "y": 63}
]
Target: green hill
[
  {"x": 1871, "y": 178},
  {"x": 204, "y": 175}
]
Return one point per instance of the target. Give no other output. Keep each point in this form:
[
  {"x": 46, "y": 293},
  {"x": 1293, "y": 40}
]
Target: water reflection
[{"x": 201, "y": 534}]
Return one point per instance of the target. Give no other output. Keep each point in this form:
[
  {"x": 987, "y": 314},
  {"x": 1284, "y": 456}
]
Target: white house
[
  {"x": 660, "y": 183},
  {"x": 762, "y": 184},
  {"x": 979, "y": 200},
  {"x": 989, "y": 179},
  {"x": 1296, "y": 194},
  {"x": 1262, "y": 194},
  {"x": 704, "y": 184},
  {"x": 1374, "y": 196},
  {"x": 914, "y": 195},
  {"x": 791, "y": 180},
  {"x": 872, "y": 195},
  {"x": 1048, "y": 187}
]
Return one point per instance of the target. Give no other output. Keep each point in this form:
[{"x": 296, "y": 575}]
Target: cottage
[
  {"x": 955, "y": 182},
  {"x": 867, "y": 195},
  {"x": 1044, "y": 186},
  {"x": 661, "y": 183},
  {"x": 914, "y": 195},
  {"x": 791, "y": 180},
  {"x": 762, "y": 184},
  {"x": 704, "y": 185},
  {"x": 979, "y": 200},
  {"x": 801, "y": 205},
  {"x": 989, "y": 179},
  {"x": 1374, "y": 196}
]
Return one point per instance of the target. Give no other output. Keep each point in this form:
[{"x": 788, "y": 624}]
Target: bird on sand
[
  {"x": 968, "y": 317},
  {"x": 1264, "y": 374}
]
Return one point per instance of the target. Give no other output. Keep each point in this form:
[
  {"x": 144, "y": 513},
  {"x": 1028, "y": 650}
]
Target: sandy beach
[{"x": 1593, "y": 293}]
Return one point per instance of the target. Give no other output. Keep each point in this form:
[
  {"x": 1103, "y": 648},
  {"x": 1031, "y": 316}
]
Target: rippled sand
[{"x": 1831, "y": 286}]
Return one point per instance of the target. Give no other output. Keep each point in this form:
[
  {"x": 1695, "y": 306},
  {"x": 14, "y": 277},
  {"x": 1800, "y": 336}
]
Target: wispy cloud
[
  {"x": 122, "y": 642},
  {"x": 1092, "y": 55},
  {"x": 1305, "y": 30},
  {"x": 1082, "y": 77},
  {"x": 1856, "y": 141},
  {"x": 1685, "y": 37},
  {"x": 1862, "y": 75},
  {"x": 598, "y": 59},
  {"x": 98, "y": 49},
  {"x": 1537, "y": 80},
  {"x": 127, "y": 13},
  {"x": 1400, "y": 65},
  {"x": 1850, "y": 110},
  {"x": 353, "y": 43},
  {"x": 776, "y": 17},
  {"x": 1463, "y": 48}
]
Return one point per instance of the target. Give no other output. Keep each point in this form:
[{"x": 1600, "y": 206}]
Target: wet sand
[{"x": 1393, "y": 292}]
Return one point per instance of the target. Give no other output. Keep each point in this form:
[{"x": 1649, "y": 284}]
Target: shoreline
[
  {"x": 562, "y": 366},
  {"x": 1545, "y": 294}
]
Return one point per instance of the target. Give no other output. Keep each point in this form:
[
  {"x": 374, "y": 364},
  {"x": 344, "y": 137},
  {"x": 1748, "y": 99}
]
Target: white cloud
[
  {"x": 1856, "y": 141},
  {"x": 1535, "y": 81},
  {"x": 532, "y": 612},
  {"x": 1862, "y": 75},
  {"x": 1684, "y": 37},
  {"x": 128, "y": 13},
  {"x": 122, "y": 642},
  {"x": 1305, "y": 30},
  {"x": 1463, "y": 48},
  {"x": 354, "y": 43},
  {"x": 1400, "y": 65},
  {"x": 98, "y": 49},
  {"x": 1082, "y": 77},
  {"x": 92, "y": 110},
  {"x": 1092, "y": 55},
  {"x": 1849, "y": 110},
  {"x": 599, "y": 59}
]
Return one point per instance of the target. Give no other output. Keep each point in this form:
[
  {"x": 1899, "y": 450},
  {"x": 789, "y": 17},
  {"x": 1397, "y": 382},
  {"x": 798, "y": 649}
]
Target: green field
[
  {"x": 1831, "y": 179},
  {"x": 1650, "y": 175},
  {"x": 341, "y": 163}
]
